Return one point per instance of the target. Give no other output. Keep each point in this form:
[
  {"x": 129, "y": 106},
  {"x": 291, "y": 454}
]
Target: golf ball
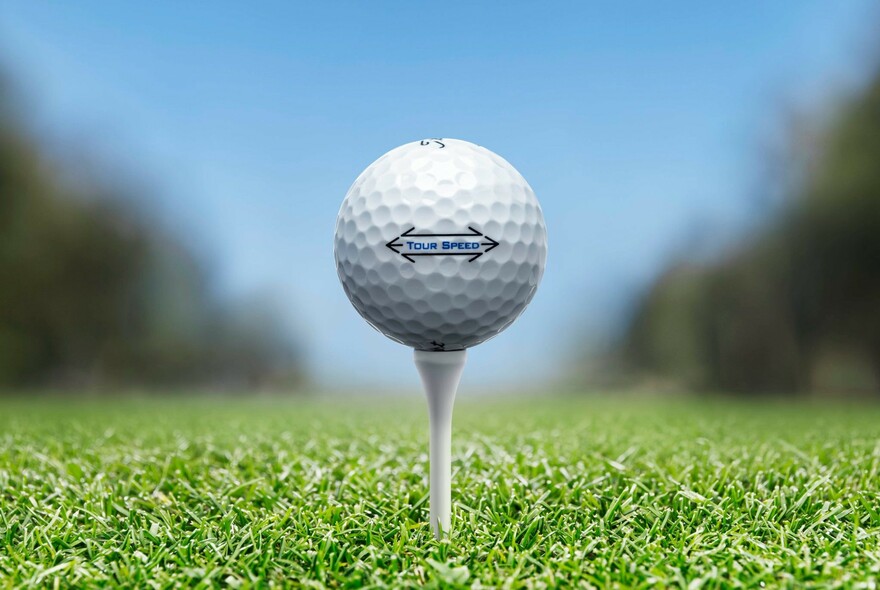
[{"x": 440, "y": 244}]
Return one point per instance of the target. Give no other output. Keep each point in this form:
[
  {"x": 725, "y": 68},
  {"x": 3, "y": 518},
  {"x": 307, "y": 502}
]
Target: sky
[{"x": 638, "y": 125}]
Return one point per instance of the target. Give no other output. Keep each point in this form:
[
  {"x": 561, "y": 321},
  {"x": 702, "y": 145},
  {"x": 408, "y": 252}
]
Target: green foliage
[
  {"x": 797, "y": 308},
  {"x": 94, "y": 292},
  {"x": 629, "y": 493}
]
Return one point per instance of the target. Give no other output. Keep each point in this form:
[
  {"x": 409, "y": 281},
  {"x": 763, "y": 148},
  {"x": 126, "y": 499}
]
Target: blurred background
[{"x": 710, "y": 175}]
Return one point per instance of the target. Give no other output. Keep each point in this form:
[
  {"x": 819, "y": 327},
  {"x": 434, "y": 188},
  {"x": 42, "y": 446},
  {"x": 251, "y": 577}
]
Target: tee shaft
[{"x": 440, "y": 373}]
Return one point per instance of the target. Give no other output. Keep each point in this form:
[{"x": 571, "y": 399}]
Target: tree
[
  {"x": 94, "y": 293},
  {"x": 797, "y": 307}
]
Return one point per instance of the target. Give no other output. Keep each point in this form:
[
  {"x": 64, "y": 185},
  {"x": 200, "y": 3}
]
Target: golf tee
[{"x": 440, "y": 373}]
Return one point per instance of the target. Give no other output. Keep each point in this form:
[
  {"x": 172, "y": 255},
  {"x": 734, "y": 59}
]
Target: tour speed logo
[{"x": 472, "y": 244}]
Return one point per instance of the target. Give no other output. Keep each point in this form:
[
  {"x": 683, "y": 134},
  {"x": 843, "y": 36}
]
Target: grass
[{"x": 556, "y": 492}]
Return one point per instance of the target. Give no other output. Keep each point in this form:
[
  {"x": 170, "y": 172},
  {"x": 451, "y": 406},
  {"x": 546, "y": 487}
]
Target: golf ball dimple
[{"x": 440, "y": 244}]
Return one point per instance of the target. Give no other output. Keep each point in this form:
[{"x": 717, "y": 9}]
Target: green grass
[{"x": 627, "y": 492}]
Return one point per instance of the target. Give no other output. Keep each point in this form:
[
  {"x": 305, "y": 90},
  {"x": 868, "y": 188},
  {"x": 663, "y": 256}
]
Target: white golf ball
[{"x": 440, "y": 244}]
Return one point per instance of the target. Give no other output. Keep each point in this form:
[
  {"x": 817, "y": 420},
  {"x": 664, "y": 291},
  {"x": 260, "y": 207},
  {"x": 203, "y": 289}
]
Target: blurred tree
[
  {"x": 795, "y": 309},
  {"x": 92, "y": 293}
]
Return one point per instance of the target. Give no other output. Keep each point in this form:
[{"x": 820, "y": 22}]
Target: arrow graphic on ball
[{"x": 472, "y": 244}]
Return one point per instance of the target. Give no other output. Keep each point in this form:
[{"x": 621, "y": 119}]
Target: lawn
[{"x": 557, "y": 491}]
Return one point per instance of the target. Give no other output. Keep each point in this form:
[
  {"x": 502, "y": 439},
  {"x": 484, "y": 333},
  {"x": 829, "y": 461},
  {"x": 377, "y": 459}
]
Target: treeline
[
  {"x": 94, "y": 294},
  {"x": 796, "y": 308}
]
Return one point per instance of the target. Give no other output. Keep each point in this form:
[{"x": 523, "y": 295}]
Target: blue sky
[{"x": 637, "y": 124}]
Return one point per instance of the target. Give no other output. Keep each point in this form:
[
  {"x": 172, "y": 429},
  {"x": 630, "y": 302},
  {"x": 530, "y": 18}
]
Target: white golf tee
[{"x": 440, "y": 372}]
